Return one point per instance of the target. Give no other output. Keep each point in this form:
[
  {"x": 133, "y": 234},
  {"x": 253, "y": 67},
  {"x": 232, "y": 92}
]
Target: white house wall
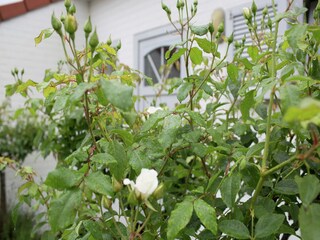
[
  {"x": 17, "y": 47},
  {"x": 123, "y": 19}
]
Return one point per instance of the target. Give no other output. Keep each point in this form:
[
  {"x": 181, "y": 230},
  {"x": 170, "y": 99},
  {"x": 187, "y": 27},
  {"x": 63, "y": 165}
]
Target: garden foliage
[{"x": 237, "y": 158}]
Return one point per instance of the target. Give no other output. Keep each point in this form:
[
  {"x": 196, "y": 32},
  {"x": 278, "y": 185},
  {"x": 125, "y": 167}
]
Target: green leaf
[
  {"x": 176, "y": 56},
  {"x": 118, "y": 94},
  {"x": 94, "y": 228},
  {"x": 286, "y": 187},
  {"x": 63, "y": 210},
  {"x": 60, "y": 102},
  {"x": 253, "y": 52},
  {"x": 206, "y": 214},
  {"x": 230, "y": 188},
  {"x": 308, "y": 187},
  {"x": 233, "y": 72},
  {"x": 63, "y": 178},
  {"x": 119, "y": 169},
  {"x": 205, "y": 45},
  {"x": 139, "y": 160},
  {"x": 307, "y": 110},
  {"x": 255, "y": 150},
  {"x": 196, "y": 56},
  {"x": 99, "y": 183},
  {"x": 199, "y": 30},
  {"x": 247, "y": 104},
  {"x": 79, "y": 91},
  {"x": 309, "y": 222},
  {"x": 153, "y": 120},
  {"x": 103, "y": 158},
  {"x": 268, "y": 224},
  {"x": 235, "y": 229},
  {"x": 290, "y": 96},
  {"x": 179, "y": 218},
  {"x": 296, "y": 33},
  {"x": 126, "y": 137},
  {"x": 184, "y": 90},
  {"x": 46, "y": 33}
]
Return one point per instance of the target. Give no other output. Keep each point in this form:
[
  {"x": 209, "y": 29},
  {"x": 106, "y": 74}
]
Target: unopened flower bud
[
  {"x": 87, "y": 27},
  {"x": 178, "y": 4},
  {"x": 70, "y": 24},
  {"x": 265, "y": 11},
  {"x": 116, "y": 185},
  {"x": 132, "y": 198},
  {"x": 158, "y": 193},
  {"x": 254, "y": 8},
  {"x": 109, "y": 41},
  {"x": 94, "y": 40},
  {"x": 62, "y": 18},
  {"x": 195, "y": 2},
  {"x": 181, "y": 3},
  {"x": 22, "y": 71},
  {"x": 211, "y": 28},
  {"x": 318, "y": 7},
  {"x": 67, "y": 4},
  {"x": 56, "y": 24},
  {"x": 237, "y": 44},
  {"x": 247, "y": 14},
  {"x": 269, "y": 23},
  {"x": 106, "y": 202},
  {"x": 72, "y": 10},
  {"x": 230, "y": 39},
  {"x": 221, "y": 27},
  {"x": 16, "y": 71},
  {"x": 118, "y": 45}
]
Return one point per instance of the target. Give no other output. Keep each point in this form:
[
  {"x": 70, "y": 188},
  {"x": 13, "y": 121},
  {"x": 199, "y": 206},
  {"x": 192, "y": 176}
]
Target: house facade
[{"x": 141, "y": 25}]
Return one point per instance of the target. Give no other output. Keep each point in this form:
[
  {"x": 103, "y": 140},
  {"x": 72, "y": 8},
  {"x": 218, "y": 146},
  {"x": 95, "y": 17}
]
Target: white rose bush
[{"x": 224, "y": 163}]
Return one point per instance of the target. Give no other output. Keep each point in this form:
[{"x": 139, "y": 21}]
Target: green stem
[
  {"x": 269, "y": 118},
  {"x": 144, "y": 223}
]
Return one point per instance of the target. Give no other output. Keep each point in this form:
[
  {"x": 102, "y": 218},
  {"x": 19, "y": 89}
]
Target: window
[
  {"x": 150, "y": 47},
  {"x": 237, "y": 24}
]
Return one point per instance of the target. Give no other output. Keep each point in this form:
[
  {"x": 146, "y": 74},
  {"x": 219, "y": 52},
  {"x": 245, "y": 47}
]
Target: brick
[{"x": 12, "y": 10}]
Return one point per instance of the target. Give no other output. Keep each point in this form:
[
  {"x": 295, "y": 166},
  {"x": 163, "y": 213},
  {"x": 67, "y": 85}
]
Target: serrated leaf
[
  {"x": 234, "y": 228},
  {"x": 287, "y": 187},
  {"x": 94, "y": 228},
  {"x": 176, "y": 56},
  {"x": 255, "y": 150},
  {"x": 309, "y": 222},
  {"x": 233, "y": 72},
  {"x": 99, "y": 183},
  {"x": 103, "y": 158},
  {"x": 184, "y": 90},
  {"x": 119, "y": 169},
  {"x": 63, "y": 178},
  {"x": 118, "y": 94},
  {"x": 205, "y": 45},
  {"x": 126, "y": 136},
  {"x": 179, "y": 218},
  {"x": 268, "y": 224},
  {"x": 206, "y": 214},
  {"x": 63, "y": 210},
  {"x": 199, "y": 30},
  {"x": 139, "y": 160},
  {"x": 290, "y": 96},
  {"x": 247, "y": 104},
  {"x": 60, "y": 102},
  {"x": 308, "y": 188},
  {"x": 196, "y": 56},
  {"x": 153, "y": 120},
  {"x": 230, "y": 188}
]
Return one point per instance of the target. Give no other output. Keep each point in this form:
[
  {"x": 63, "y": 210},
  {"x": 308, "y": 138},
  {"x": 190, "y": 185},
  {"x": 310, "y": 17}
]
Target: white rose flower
[
  {"x": 146, "y": 183},
  {"x": 151, "y": 110}
]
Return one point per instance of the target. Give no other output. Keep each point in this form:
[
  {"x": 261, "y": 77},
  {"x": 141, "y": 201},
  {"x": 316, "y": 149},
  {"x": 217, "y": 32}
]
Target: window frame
[{"x": 144, "y": 43}]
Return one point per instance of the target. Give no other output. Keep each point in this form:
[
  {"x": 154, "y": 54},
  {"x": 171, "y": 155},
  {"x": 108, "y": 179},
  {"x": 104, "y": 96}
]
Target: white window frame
[{"x": 144, "y": 43}]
